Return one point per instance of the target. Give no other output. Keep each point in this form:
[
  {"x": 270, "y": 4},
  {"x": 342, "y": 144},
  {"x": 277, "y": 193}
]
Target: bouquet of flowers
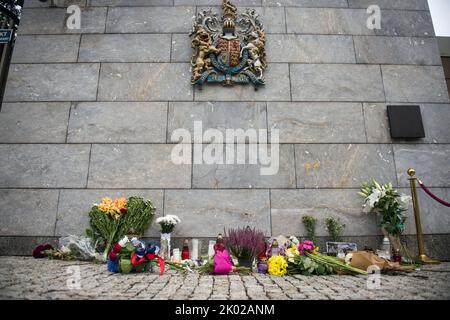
[
  {"x": 168, "y": 223},
  {"x": 386, "y": 200},
  {"x": 112, "y": 219},
  {"x": 306, "y": 260}
]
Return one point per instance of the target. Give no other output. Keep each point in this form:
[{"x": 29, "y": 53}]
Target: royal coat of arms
[{"x": 230, "y": 49}]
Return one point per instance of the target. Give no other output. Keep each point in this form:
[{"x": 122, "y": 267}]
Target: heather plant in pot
[{"x": 245, "y": 244}]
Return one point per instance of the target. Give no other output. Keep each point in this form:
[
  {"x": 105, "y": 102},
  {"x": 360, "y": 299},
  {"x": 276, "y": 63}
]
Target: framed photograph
[{"x": 335, "y": 247}]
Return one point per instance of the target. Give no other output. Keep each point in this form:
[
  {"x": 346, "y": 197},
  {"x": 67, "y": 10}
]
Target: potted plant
[
  {"x": 310, "y": 225},
  {"x": 335, "y": 228},
  {"x": 245, "y": 244}
]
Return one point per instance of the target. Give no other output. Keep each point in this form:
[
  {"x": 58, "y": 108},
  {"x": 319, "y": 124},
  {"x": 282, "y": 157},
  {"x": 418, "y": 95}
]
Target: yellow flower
[
  {"x": 277, "y": 266},
  {"x": 111, "y": 207},
  {"x": 316, "y": 250},
  {"x": 291, "y": 252},
  {"x": 120, "y": 203},
  {"x": 105, "y": 205}
]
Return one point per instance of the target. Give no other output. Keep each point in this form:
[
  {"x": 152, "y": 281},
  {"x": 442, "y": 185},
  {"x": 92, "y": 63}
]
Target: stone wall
[{"x": 90, "y": 112}]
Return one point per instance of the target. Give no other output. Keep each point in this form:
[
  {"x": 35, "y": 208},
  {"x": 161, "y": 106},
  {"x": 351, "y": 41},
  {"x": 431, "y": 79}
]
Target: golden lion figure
[{"x": 203, "y": 44}]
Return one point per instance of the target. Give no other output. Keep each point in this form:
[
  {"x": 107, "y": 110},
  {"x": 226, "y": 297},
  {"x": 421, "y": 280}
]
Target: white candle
[
  {"x": 194, "y": 249},
  {"x": 176, "y": 255},
  {"x": 211, "y": 248}
]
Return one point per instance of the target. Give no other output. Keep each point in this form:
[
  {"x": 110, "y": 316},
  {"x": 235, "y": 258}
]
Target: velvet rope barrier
[{"x": 427, "y": 191}]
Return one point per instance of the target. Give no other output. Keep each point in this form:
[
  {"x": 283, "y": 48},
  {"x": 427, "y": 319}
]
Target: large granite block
[
  {"x": 118, "y": 122},
  {"x": 343, "y": 165},
  {"x": 435, "y": 117},
  {"x": 289, "y": 206},
  {"x": 326, "y": 21},
  {"x": 205, "y": 213},
  {"x": 431, "y": 163},
  {"x": 397, "y": 50},
  {"x": 414, "y": 84},
  {"x": 277, "y": 88},
  {"x": 317, "y": 122},
  {"x": 44, "y": 166},
  {"x": 149, "y": 19},
  {"x": 246, "y": 175},
  {"x": 52, "y": 82},
  {"x": 310, "y": 49},
  {"x": 306, "y": 3},
  {"x": 406, "y": 24},
  {"x": 46, "y": 48},
  {"x": 28, "y": 212},
  {"x": 144, "y": 82},
  {"x": 74, "y": 207},
  {"x": 181, "y": 50},
  {"x": 136, "y": 166},
  {"x": 273, "y": 18},
  {"x": 53, "y": 21},
  {"x": 34, "y": 122},
  {"x": 334, "y": 82},
  {"x": 390, "y": 4},
  {"x": 125, "y": 48},
  {"x": 215, "y": 115},
  {"x": 354, "y": 22},
  {"x": 376, "y": 123}
]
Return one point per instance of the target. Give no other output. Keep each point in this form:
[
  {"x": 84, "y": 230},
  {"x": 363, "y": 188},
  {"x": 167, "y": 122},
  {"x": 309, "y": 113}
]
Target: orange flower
[{"x": 113, "y": 208}]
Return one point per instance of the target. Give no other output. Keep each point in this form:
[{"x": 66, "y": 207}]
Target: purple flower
[{"x": 245, "y": 243}]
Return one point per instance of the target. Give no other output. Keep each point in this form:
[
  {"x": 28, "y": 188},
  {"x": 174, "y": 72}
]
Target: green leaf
[
  {"x": 362, "y": 194},
  {"x": 377, "y": 185},
  {"x": 89, "y": 233}
]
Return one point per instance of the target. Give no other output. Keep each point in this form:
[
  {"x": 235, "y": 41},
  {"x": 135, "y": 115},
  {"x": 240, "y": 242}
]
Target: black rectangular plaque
[{"x": 405, "y": 122}]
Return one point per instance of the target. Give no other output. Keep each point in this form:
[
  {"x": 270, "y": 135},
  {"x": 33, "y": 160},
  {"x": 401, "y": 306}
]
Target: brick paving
[{"x": 28, "y": 278}]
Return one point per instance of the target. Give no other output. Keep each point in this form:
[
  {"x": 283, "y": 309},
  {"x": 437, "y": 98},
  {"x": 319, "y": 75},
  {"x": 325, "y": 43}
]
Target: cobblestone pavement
[{"x": 28, "y": 278}]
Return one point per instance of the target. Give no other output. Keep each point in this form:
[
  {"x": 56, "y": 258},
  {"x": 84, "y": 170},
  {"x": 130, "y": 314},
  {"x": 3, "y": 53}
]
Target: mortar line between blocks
[
  {"x": 167, "y": 122},
  {"x": 285, "y": 20},
  {"x": 295, "y": 167},
  {"x": 56, "y": 214},
  {"x": 89, "y": 166},
  {"x": 171, "y": 47},
  {"x": 68, "y": 121},
  {"x": 79, "y": 48},
  {"x": 270, "y": 212}
]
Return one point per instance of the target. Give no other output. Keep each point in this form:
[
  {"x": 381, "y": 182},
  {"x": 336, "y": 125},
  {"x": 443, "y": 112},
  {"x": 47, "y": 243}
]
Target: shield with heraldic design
[{"x": 230, "y": 49}]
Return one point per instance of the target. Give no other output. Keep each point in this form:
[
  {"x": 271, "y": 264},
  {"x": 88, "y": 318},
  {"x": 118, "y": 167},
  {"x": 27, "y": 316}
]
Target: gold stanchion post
[{"x": 422, "y": 256}]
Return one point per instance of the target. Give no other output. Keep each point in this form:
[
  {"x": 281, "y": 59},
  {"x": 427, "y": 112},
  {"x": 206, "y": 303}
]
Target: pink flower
[{"x": 306, "y": 245}]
